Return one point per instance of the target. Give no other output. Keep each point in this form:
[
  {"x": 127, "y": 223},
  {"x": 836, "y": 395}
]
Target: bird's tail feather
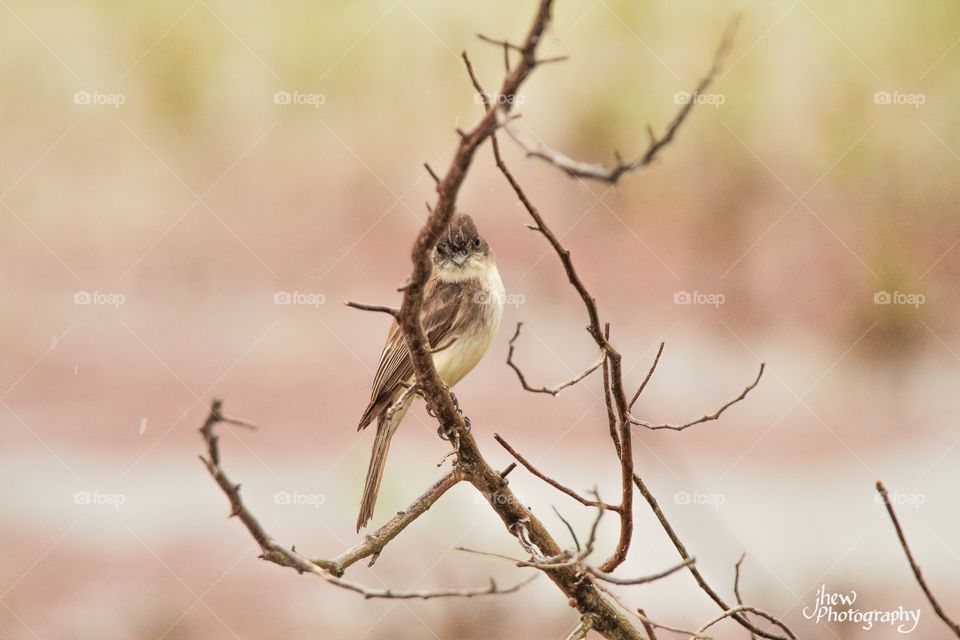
[{"x": 378, "y": 460}]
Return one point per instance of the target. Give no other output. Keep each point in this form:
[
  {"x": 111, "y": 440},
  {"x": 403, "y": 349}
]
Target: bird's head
[{"x": 461, "y": 252}]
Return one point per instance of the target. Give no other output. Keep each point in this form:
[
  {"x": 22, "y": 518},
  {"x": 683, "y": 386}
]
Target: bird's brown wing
[{"x": 441, "y": 306}]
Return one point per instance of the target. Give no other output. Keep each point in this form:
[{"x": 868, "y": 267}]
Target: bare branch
[
  {"x": 736, "y": 585},
  {"x": 606, "y": 577},
  {"x": 499, "y": 43},
  {"x": 553, "y": 483},
  {"x": 573, "y": 534},
  {"x": 736, "y": 610},
  {"x": 713, "y": 416},
  {"x": 368, "y": 593},
  {"x": 600, "y": 333},
  {"x": 612, "y": 175},
  {"x": 643, "y": 385},
  {"x": 592, "y": 538},
  {"x": 647, "y": 625},
  {"x": 332, "y": 570},
  {"x": 374, "y": 307},
  {"x": 509, "y": 46},
  {"x": 947, "y": 620},
  {"x": 701, "y": 581},
  {"x": 433, "y": 174},
  {"x": 553, "y": 391},
  {"x": 476, "y": 81},
  {"x": 559, "y": 561}
]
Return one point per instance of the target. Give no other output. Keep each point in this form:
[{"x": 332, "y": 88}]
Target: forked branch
[
  {"x": 612, "y": 174},
  {"x": 332, "y": 570},
  {"x": 553, "y": 391},
  {"x": 707, "y": 418}
]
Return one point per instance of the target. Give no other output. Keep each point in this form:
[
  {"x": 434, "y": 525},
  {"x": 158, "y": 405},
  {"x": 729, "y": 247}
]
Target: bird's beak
[{"x": 460, "y": 257}]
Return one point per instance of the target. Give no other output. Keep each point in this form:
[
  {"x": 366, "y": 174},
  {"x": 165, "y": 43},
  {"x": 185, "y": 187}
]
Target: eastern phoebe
[{"x": 462, "y": 308}]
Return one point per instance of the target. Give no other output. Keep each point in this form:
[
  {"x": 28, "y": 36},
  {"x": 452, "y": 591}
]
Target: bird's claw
[{"x": 456, "y": 405}]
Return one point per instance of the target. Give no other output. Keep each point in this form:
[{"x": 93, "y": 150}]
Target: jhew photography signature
[{"x": 838, "y": 607}]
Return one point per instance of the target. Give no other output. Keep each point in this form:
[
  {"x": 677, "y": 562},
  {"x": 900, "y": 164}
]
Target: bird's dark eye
[
  {"x": 441, "y": 250},
  {"x": 476, "y": 242}
]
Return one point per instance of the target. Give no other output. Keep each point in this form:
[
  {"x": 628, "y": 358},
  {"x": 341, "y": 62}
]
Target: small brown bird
[{"x": 462, "y": 308}]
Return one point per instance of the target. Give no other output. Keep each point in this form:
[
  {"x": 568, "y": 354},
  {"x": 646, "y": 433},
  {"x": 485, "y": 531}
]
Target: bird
[{"x": 462, "y": 309}]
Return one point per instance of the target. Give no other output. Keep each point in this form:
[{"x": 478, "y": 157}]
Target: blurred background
[{"x": 189, "y": 190}]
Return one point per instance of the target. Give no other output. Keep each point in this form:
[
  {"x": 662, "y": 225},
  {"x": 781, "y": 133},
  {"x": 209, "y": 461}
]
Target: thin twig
[
  {"x": 553, "y": 391},
  {"x": 374, "y": 307},
  {"x": 643, "y": 385},
  {"x": 476, "y": 82},
  {"x": 742, "y": 608},
  {"x": 553, "y": 483},
  {"x": 612, "y": 175},
  {"x": 606, "y": 577},
  {"x": 433, "y": 174},
  {"x": 707, "y": 418},
  {"x": 736, "y": 585},
  {"x": 947, "y": 620},
  {"x": 647, "y": 625},
  {"x": 573, "y": 533}
]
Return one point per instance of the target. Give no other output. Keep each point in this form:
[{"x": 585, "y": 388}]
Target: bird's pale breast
[{"x": 477, "y": 324}]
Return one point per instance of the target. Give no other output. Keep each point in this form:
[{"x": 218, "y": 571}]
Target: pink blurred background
[{"x": 156, "y": 198}]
